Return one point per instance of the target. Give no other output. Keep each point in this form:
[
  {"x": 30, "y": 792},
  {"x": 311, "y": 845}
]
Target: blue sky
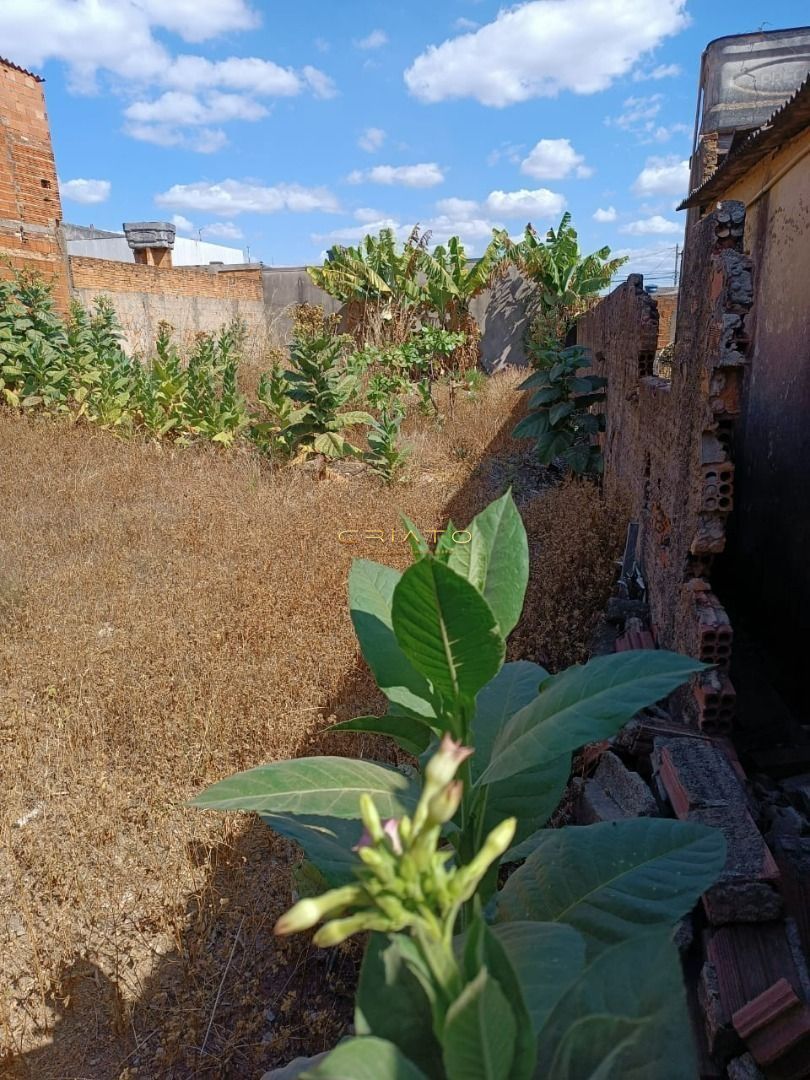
[{"x": 284, "y": 128}]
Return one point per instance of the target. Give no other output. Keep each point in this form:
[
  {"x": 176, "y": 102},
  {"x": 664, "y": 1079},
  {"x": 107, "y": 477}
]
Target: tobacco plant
[
  {"x": 384, "y": 456},
  {"x": 434, "y": 638},
  {"x": 564, "y": 992},
  {"x": 320, "y": 386},
  {"x": 560, "y": 417}
]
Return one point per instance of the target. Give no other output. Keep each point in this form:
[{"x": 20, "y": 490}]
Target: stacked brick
[{"x": 30, "y": 210}]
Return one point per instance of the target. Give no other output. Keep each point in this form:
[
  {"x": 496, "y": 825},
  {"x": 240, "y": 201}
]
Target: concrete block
[
  {"x": 702, "y": 785},
  {"x": 625, "y": 787}
]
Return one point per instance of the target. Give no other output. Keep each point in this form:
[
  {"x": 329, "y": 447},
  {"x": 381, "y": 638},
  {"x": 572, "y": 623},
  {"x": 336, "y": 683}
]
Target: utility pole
[{"x": 675, "y": 275}]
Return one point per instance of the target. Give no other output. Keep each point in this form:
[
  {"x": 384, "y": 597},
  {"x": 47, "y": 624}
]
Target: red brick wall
[
  {"x": 667, "y": 304},
  {"x": 107, "y": 275},
  {"x": 30, "y": 211},
  {"x": 667, "y": 443}
]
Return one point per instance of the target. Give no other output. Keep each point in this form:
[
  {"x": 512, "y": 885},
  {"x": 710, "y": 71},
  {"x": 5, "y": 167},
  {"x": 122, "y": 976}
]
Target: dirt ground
[{"x": 167, "y": 617}]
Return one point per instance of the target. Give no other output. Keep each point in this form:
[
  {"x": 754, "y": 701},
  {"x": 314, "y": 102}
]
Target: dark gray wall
[{"x": 502, "y": 312}]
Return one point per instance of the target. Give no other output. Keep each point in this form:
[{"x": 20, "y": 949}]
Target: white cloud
[
  {"x": 194, "y": 21},
  {"x": 375, "y": 40},
  {"x": 201, "y": 140},
  {"x": 427, "y": 174},
  {"x": 652, "y": 226},
  {"x": 368, "y": 213},
  {"x": 181, "y": 109},
  {"x": 85, "y": 191},
  {"x": 462, "y": 23},
  {"x": 457, "y": 207},
  {"x": 662, "y": 71},
  {"x": 120, "y": 39},
  {"x": 225, "y": 230},
  {"x": 639, "y": 116},
  {"x": 540, "y": 48},
  {"x": 116, "y": 36},
  {"x": 474, "y": 230},
  {"x": 608, "y": 214},
  {"x": 321, "y": 85},
  {"x": 182, "y": 224},
  {"x": 322, "y": 45},
  {"x": 554, "y": 159},
  {"x": 231, "y": 197},
  {"x": 371, "y": 139},
  {"x": 510, "y": 151},
  {"x": 249, "y": 74},
  {"x": 523, "y": 203},
  {"x": 662, "y": 176},
  {"x": 637, "y": 111}
]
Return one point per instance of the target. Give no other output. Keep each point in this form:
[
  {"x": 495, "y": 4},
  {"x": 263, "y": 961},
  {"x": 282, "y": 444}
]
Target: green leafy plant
[
  {"x": 434, "y": 638},
  {"x": 559, "y": 991},
  {"x": 566, "y": 279},
  {"x": 320, "y": 386},
  {"x": 560, "y": 417},
  {"x": 33, "y": 368},
  {"x": 384, "y": 455}
]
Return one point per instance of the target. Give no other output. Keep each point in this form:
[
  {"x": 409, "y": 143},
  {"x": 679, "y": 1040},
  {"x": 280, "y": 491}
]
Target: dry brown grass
[{"x": 170, "y": 616}]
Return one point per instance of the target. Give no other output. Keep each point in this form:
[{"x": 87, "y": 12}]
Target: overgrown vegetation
[
  {"x": 567, "y": 281},
  {"x": 391, "y": 293},
  {"x": 434, "y": 637},
  {"x": 78, "y": 367},
  {"x": 561, "y": 417}
]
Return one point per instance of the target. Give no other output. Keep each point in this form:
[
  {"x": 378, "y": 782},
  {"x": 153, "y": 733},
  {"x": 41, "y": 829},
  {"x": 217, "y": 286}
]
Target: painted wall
[
  {"x": 772, "y": 528},
  {"x": 186, "y": 251}
]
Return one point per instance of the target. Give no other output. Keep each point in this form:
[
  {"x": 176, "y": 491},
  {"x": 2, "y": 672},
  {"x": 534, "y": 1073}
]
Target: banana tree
[{"x": 566, "y": 279}]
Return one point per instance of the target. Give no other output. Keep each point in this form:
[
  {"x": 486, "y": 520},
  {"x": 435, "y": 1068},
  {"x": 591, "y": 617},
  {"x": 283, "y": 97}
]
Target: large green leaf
[
  {"x": 547, "y": 958},
  {"x": 326, "y": 841},
  {"x": 612, "y": 880},
  {"x": 625, "y": 1018},
  {"x": 329, "y": 786},
  {"x": 531, "y": 797},
  {"x": 532, "y": 426},
  {"x": 391, "y": 1003},
  {"x": 411, "y": 734},
  {"x": 446, "y": 629},
  {"x": 484, "y": 949},
  {"x": 496, "y": 560},
  {"x": 479, "y": 1033},
  {"x": 585, "y": 704},
  {"x": 365, "y": 1058},
  {"x": 371, "y": 592},
  {"x": 515, "y": 685}
]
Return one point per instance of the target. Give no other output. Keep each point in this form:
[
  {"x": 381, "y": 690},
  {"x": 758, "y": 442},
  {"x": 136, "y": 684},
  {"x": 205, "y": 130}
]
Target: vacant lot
[{"x": 169, "y": 616}]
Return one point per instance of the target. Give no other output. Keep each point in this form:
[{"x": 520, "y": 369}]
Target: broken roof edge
[
  {"x": 790, "y": 119},
  {"x": 10, "y": 63}
]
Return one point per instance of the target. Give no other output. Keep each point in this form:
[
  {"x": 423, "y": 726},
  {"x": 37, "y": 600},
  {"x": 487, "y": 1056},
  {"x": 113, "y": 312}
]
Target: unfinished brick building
[
  {"x": 714, "y": 461},
  {"x": 30, "y": 211}
]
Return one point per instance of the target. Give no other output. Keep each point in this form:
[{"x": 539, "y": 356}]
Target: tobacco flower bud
[
  {"x": 339, "y": 929},
  {"x": 442, "y": 807},
  {"x": 444, "y": 764},
  {"x": 306, "y": 913},
  {"x": 467, "y": 877}
]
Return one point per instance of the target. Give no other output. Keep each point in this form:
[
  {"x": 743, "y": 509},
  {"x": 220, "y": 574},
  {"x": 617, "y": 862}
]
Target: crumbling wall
[
  {"x": 191, "y": 300},
  {"x": 30, "y": 210},
  {"x": 667, "y": 443}
]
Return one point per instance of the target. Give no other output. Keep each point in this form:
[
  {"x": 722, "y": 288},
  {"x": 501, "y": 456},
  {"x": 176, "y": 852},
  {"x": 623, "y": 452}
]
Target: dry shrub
[{"x": 575, "y": 536}]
